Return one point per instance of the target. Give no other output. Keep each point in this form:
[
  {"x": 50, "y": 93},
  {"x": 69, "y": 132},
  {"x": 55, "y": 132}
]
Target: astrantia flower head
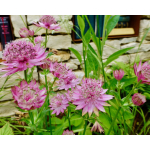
[
  {"x": 138, "y": 99},
  {"x": 59, "y": 70},
  {"x": 67, "y": 132},
  {"x": 46, "y": 63},
  {"x": 58, "y": 103},
  {"x": 91, "y": 96},
  {"x": 20, "y": 55},
  {"x": 24, "y": 32},
  {"x": 48, "y": 22},
  {"x": 69, "y": 95},
  {"x": 97, "y": 128},
  {"x": 69, "y": 82},
  {"x": 142, "y": 72},
  {"x": 118, "y": 74},
  {"x": 38, "y": 40},
  {"x": 28, "y": 96}
]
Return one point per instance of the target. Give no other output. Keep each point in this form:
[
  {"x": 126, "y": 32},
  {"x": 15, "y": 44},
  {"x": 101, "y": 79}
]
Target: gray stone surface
[
  {"x": 7, "y": 94},
  {"x": 143, "y": 47},
  {"x": 71, "y": 66},
  {"x": 128, "y": 40},
  {"x": 75, "y": 61},
  {"x": 17, "y": 23},
  {"x": 12, "y": 80},
  {"x": 7, "y": 108},
  {"x": 59, "y": 41}
]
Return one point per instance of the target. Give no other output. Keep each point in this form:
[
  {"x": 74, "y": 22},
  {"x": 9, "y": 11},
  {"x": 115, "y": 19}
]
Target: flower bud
[
  {"x": 118, "y": 74},
  {"x": 97, "y": 128},
  {"x": 138, "y": 99}
]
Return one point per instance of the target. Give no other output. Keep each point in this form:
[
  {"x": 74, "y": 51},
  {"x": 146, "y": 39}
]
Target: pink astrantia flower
[
  {"x": 69, "y": 95},
  {"x": 91, "y": 96},
  {"x": 67, "y": 79},
  {"x": 68, "y": 82},
  {"x": 142, "y": 72},
  {"x": 118, "y": 74},
  {"x": 58, "y": 103},
  {"x": 46, "y": 63},
  {"x": 38, "y": 40},
  {"x": 28, "y": 96},
  {"x": 24, "y": 32},
  {"x": 20, "y": 55},
  {"x": 67, "y": 132},
  {"x": 59, "y": 70},
  {"x": 97, "y": 128},
  {"x": 138, "y": 99},
  {"x": 48, "y": 22}
]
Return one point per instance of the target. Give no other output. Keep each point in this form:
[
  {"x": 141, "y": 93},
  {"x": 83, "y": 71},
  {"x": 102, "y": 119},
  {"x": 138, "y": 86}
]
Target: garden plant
[{"x": 103, "y": 103}]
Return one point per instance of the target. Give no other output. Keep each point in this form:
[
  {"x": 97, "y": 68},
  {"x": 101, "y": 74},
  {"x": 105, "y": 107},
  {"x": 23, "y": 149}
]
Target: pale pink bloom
[
  {"x": 118, "y": 74},
  {"x": 46, "y": 63},
  {"x": 138, "y": 99},
  {"x": 67, "y": 132},
  {"x": 97, "y": 128},
  {"x": 24, "y": 32},
  {"x": 58, "y": 103},
  {"x": 69, "y": 95},
  {"x": 68, "y": 82},
  {"x": 91, "y": 97},
  {"x": 142, "y": 72},
  {"x": 28, "y": 96},
  {"x": 59, "y": 70},
  {"x": 48, "y": 22},
  {"x": 38, "y": 40},
  {"x": 20, "y": 55}
]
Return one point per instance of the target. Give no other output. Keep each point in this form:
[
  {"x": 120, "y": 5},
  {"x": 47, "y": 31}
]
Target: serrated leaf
[{"x": 6, "y": 130}]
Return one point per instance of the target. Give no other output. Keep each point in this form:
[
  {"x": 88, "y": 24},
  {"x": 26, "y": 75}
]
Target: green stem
[
  {"x": 48, "y": 104},
  {"x": 46, "y": 39},
  {"x": 85, "y": 127},
  {"x": 112, "y": 124},
  {"x": 25, "y": 75},
  {"x": 69, "y": 120}
]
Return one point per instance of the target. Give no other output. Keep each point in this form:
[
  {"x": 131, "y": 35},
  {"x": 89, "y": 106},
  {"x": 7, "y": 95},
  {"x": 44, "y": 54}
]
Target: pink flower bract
[
  {"x": 24, "y": 32},
  {"x": 138, "y": 99},
  {"x": 118, "y": 74},
  {"x": 97, "y": 128},
  {"x": 46, "y": 63},
  {"x": 58, "y": 103},
  {"x": 48, "y": 22},
  {"x": 28, "y": 96},
  {"x": 20, "y": 55},
  {"x": 91, "y": 96},
  {"x": 142, "y": 72},
  {"x": 67, "y": 132}
]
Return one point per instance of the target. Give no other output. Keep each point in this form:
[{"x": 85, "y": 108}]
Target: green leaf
[
  {"x": 81, "y": 23},
  {"x": 76, "y": 120},
  {"x": 6, "y": 130},
  {"x": 128, "y": 81},
  {"x": 56, "y": 120},
  {"x": 76, "y": 53},
  {"x": 111, "y": 24},
  {"x": 49, "y": 54},
  {"x": 116, "y": 55}
]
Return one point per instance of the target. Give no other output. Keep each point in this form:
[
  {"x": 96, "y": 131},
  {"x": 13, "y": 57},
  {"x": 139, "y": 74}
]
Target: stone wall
[{"x": 61, "y": 40}]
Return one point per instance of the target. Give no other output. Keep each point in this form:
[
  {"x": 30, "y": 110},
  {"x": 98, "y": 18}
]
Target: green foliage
[{"x": 6, "y": 130}]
